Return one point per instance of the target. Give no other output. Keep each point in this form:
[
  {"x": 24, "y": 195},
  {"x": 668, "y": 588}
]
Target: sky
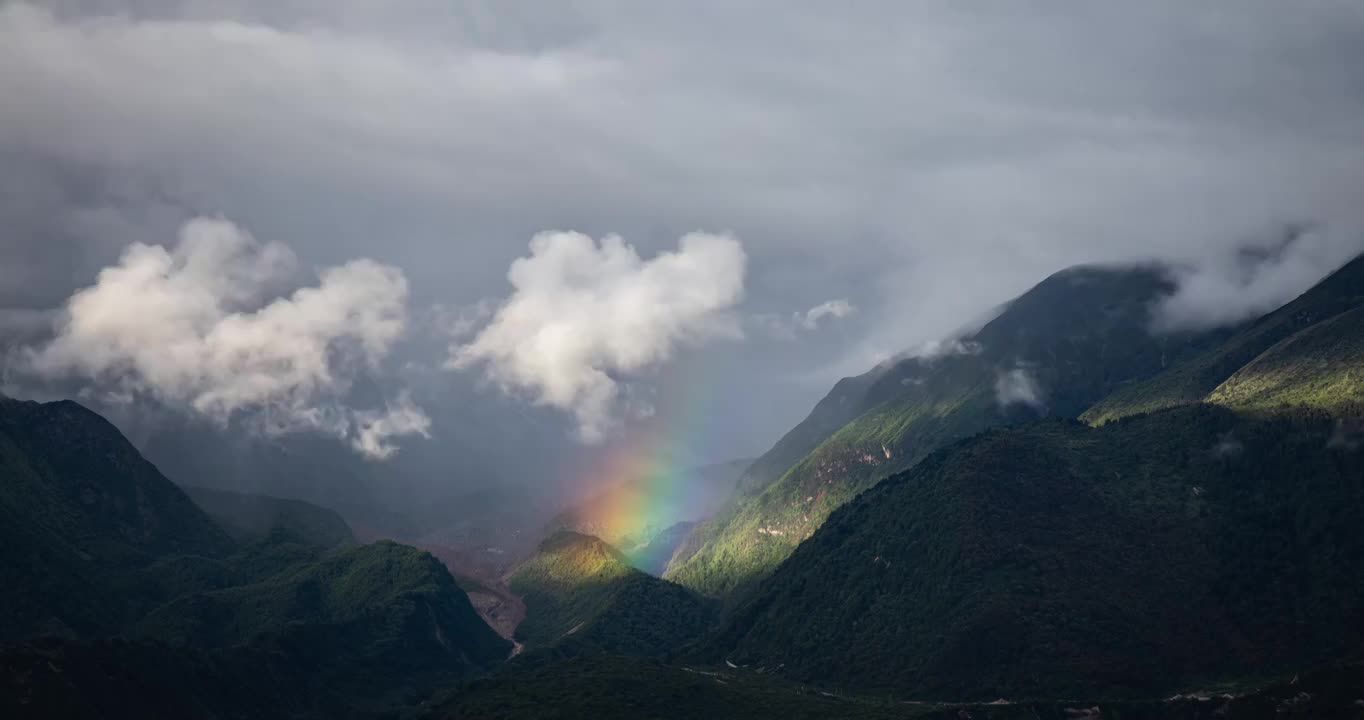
[{"x": 363, "y": 219}]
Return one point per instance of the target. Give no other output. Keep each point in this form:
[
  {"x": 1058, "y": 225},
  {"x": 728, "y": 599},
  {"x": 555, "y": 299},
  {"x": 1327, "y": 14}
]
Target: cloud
[
  {"x": 1251, "y": 280},
  {"x": 934, "y": 349},
  {"x": 193, "y": 327},
  {"x": 375, "y": 429},
  {"x": 1227, "y": 445},
  {"x": 840, "y": 308},
  {"x": 1347, "y": 435},
  {"x": 1017, "y": 386},
  {"x": 459, "y": 322},
  {"x": 926, "y": 176},
  {"x": 583, "y": 316},
  {"x": 781, "y": 327}
]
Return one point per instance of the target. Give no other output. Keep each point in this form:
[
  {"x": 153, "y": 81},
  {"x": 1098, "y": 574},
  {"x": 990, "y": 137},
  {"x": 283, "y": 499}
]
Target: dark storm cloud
[{"x": 922, "y": 161}]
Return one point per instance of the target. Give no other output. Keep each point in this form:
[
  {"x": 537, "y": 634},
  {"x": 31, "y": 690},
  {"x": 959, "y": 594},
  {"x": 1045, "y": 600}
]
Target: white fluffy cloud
[
  {"x": 191, "y": 326},
  {"x": 374, "y": 429},
  {"x": 583, "y": 315}
]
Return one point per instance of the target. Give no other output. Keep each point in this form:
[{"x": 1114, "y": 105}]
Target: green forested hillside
[
  {"x": 1193, "y": 380},
  {"x": 1161, "y": 552},
  {"x": 377, "y": 617},
  {"x": 1321, "y": 365},
  {"x": 582, "y": 596},
  {"x": 1055, "y": 350},
  {"x": 82, "y": 518},
  {"x": 96, "y": 545}
]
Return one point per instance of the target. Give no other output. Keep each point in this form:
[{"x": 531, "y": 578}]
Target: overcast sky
[{"x": 574, "y": 204}]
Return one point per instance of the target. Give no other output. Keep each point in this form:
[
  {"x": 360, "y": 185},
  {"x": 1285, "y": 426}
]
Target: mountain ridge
[{"x": 1054, "y": 350}]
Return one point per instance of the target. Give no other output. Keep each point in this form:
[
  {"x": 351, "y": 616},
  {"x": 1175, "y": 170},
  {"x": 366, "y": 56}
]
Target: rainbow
[{"x": 645, "y": 482}]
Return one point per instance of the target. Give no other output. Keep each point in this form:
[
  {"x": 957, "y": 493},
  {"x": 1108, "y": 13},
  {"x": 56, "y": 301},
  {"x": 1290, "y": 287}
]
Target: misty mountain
[
  {"x": 1055, "y": 350},
  {"x": 253, "y": 517},
  {"x": 1255, "y": 366}
]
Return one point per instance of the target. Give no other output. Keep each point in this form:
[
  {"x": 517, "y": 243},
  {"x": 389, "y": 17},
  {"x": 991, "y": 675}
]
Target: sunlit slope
[
  {"x": 1195, "y": 379},
  {"x": 583, "y": 597},
  {"x": 1320, "y": 366}
]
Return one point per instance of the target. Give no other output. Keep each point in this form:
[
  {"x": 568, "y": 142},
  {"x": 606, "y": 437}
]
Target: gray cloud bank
[{"x": 923, "y": 161}]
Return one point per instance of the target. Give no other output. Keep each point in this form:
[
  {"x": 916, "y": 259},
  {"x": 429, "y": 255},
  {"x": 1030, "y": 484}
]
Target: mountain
[
  {"x": 83, "y": 520},
  {"x": 1155, "y": 554},
  {"x": 372, "y": 619},
  {"x": 1310, "y": 324},
  {"x": 653, "y": 558},
  {"x": 582, "y": 596},
  {"x": 1055, "y": 350},
  {"x": 96, "y": 545},
  {"x": 253, "y": 517}
]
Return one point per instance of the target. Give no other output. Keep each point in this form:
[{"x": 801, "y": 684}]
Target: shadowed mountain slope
[{"x": 1053, "y": 559}]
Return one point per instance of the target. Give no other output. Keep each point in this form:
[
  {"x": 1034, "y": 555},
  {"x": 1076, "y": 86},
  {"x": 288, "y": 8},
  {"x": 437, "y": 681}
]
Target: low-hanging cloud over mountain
[
  {"x": 1019, "y": 387},
  {"x": 584, "y": 316},
  {"x": 192, "y": 327},
  {"x": 1253, "y": 279}
]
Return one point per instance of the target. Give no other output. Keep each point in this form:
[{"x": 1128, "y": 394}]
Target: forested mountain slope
[
  {"x": 1055, "y": 350},
  {"x": 1053, "y": 559},
  {"x": 96, "y": 545},
  {"x": 583, "y": 597},
  {"x": 82, "y": 518},
  {"x": 1195, "y": 379}
]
